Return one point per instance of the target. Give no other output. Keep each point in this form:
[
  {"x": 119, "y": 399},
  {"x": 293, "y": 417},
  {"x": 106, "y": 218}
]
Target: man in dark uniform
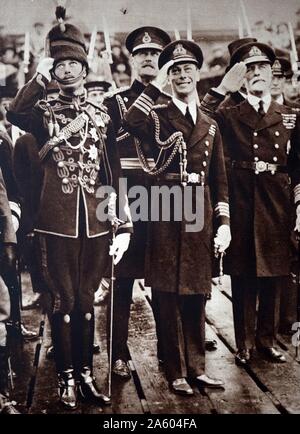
[
  {"x": 281, "y": 71},
  {"x": 8, "y": 267},
  {"x": 96, "y": 90},
  {"x": 187, "y": 149},
  {"x": 261, "y": 147},
  {"x": 144, "y": 44},
  {"x": 78, "y": 149}
]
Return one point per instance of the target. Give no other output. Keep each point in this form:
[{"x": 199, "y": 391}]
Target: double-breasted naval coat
[
  {"x": 262, "y": 215},
  {"x": 180, "y": 261}
]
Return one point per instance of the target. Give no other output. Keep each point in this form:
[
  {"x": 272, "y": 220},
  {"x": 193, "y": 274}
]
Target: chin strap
[{"x": 69, "y": 80}]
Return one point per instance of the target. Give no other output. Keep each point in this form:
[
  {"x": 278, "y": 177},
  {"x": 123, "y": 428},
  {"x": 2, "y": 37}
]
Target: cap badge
[
  {"x": 146, "y": 38},
  {"x": 255, "y": 51},
  {"x": 179, "y": 50},
  {"x": 276, "y": 66}
]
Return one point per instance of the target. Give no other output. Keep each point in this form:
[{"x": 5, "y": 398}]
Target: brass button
[
  {"x": 60, "y": 164},
  {"x": 255, "y": 146},
  {"x": 202, "y": 173},
  {"x": 255, "y": 134},
  {"x": 275, "y": 158},
  {"x": 256, "y": 159},
  {"x": 206, "y": 142},
  {"x": 92, "y": 182},
  {"x": 277, "y": 133},
  {"x": 65, "y": 181},
  {"x": 206, "y": 153},
  {"x": 276, "y": 146},
  {"x": 56, "y": 149}
]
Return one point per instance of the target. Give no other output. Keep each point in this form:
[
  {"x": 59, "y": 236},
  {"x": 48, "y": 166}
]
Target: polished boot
[
  {"x": 272, "y": 354},
  {"x": 181, "y": 387},
  {"x": 212, "y": 383},
  {"x": 89, "y": 390},
  {"x": 121, "y": 369},
  {"x": 67, "y": 389},
  {"x": 6, "y": 405},
  {"x": 242, "y": 357}
]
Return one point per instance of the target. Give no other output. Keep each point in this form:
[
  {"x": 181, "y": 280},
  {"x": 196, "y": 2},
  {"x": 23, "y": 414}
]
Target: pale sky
[{"x": 124, "y": 15}]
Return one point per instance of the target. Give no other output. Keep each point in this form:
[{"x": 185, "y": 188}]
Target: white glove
[
  {"x": 161, "y": 79},
  {"x": 15, "y": 222},
  {"x": 44, "y": 67},
  {"x": 233, "y": 79},
  {"x": 297, "y": 225},
  {"x": 119, "y": 246},
  {"x": 222, "y": 239}
]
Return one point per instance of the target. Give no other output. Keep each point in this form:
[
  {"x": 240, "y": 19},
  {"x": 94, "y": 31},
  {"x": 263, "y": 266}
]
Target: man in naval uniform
[
  {"x": 78, "y": 150},
  {"x": 144, "y": 45},
  {"x": 187, "y": 149},
  {"x": 261, "y": 147}
]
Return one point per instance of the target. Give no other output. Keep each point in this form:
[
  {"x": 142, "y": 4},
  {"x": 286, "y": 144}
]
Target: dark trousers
[
  {"x": 182, "y": 326},
  {"x": 250, "y": 326},
  {"x": 122, "y": 299}
]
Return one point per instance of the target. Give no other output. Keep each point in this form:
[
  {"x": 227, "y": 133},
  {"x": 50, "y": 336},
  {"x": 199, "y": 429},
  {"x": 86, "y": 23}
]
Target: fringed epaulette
[{"x": 117, "y": 91}]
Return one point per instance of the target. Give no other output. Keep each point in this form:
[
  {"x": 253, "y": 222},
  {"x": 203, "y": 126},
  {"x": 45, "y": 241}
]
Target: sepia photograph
[{"x": 149, "y": 210}]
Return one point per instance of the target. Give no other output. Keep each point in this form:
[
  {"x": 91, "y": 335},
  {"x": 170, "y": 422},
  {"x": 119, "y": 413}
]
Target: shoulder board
[
  {"x": 116, "y": 91},
  {"x": 97, "y": 106}
]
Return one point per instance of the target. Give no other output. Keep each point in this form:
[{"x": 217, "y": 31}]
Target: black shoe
[
  {"x": 28, "y": 335},
  {"x": 89, "y": 390},
  {"x": 181, "y": 387},
  {"x": 121, "y": 369},
  {"x": 242, "y": 357},
  {"x": 7, "y": 406},
  {"x": 272, "y": 354},
  {"x": 50, "y": 353},
  {"x": 96, "y": 348},
  {"x": 206, "y": 381},
  {"x": 211, "y": 345},
  {"x": 67, "y": 390}
]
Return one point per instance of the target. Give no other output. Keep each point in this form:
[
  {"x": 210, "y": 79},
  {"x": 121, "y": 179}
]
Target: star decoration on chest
[
  {"x": 93, "y": 152},
  {"x": 93, "y": 133}
]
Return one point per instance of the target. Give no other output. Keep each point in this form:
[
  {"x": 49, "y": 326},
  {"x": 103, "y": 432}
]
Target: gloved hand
[
  {"x": 161, "y": 79},
  {"x": 8, "y": 261},
  {"x": 119, "y": 246},
  {"x": 222, "y": 239},
  {"x": 297, "y": 225},
  {"x": 15, "y": 222},
  {"x": 233, "y": 79},
  {"x": 44, "y": 67}
]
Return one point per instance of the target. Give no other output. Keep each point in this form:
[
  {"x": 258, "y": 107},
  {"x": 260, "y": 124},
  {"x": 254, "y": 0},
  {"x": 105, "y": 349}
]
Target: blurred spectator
[
  {"x": 283, "y": 39},
  {"x": 219, "y": 59},
  {"x": 37, "y": 40},
  {"x": 120, "y": 61}
]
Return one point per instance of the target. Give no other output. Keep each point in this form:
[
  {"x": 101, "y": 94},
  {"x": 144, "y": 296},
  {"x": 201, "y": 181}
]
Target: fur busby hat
[{"x": 65, "y": 41}]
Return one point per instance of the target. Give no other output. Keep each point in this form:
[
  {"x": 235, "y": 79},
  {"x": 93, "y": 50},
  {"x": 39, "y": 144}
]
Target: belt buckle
[
  {"x": 261, "y": 166},
  {"x": 193, "y": 178}
]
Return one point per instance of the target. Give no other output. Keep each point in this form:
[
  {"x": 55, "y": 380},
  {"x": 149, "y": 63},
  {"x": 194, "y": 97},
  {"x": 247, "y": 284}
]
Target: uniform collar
[
  {"x": 70, "y": 99},
  {"x": 182, "y": 107},
  {"x": 138, "y": 87},
  {"x": 254, "y": 101},
  {"x": 280, "y": 99}
]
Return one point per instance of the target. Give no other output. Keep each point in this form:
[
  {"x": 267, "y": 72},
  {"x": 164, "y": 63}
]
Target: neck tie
[
  {"x": 188, "y": 116},
  {"x": 261, "y": 110}
]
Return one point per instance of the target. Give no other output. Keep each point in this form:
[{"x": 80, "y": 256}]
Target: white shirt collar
[
  {"x": 182, "y": 107},
  {"x": 254, "y": 101}
]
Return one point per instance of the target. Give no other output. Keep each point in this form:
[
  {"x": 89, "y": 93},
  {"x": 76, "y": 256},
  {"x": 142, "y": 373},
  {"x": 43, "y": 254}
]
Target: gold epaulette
[{"x": 116, "y": 91}]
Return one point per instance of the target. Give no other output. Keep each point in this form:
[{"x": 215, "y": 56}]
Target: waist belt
[
  {"x": 259, "y": 166},
  {"x": 192, "y": 178}
]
